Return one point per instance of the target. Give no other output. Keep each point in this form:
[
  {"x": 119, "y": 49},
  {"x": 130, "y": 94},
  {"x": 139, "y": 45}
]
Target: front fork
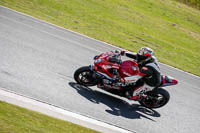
[
  {"x": 91, "y": 67},
  {"x": 95, "y": 75}
]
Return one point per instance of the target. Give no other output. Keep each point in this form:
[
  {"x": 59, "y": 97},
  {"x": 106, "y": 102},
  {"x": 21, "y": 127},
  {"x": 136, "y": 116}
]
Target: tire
[
  {"x": 155, "y": 99},
  {"x": 84, "y": 76}
]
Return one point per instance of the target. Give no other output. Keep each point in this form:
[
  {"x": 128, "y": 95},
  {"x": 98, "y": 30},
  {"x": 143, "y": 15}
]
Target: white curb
[{"x": 59, "y": 113}]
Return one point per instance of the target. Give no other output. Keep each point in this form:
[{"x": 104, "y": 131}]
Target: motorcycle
[{"x": 108, "y": 68}]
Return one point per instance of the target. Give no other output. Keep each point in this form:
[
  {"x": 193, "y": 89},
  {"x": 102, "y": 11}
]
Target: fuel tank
[{"x": 128, "y": 68}]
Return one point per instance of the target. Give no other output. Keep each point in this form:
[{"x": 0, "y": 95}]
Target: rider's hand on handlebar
[{"x": 122, "y": 52}]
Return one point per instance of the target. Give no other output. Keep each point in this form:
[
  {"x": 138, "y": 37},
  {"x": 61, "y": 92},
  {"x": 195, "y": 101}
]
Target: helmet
[{"x": 144, "y": 54}]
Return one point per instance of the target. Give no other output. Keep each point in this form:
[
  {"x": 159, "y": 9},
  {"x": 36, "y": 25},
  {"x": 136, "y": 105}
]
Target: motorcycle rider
[{"x": 148, "y": 65}]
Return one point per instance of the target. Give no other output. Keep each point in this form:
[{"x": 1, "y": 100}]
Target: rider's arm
[
  {"x": 133, "y": 56},
  {"x": 127, "y": 54}
]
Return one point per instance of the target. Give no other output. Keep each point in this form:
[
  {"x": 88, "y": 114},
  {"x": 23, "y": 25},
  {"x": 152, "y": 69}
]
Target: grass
[
  {"x": 170, "y": 28},
  {"x": 14, "y": 119}
]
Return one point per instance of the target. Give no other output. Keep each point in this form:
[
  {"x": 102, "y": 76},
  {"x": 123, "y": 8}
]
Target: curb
[{"x": 59, "y": 113}]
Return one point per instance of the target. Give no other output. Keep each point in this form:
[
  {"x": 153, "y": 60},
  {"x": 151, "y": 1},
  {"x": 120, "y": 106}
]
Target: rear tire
[
  {"x": 156, "y": 98},
  {"x": 84, "y": 76}
]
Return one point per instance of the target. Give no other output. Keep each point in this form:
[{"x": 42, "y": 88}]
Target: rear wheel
[
  {"x": 155, "y": 99},
  {"x": 84, "y": 76}
]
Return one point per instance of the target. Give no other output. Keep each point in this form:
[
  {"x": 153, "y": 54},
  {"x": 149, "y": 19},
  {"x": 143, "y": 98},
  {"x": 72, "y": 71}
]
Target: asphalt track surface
[{"x": 38, "y": 60}]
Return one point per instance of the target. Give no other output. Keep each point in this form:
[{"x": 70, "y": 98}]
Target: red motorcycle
[{"x": 109, "y": 68}]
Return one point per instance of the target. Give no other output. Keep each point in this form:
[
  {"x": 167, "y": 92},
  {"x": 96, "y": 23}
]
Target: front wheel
[
  {"x": 84, "y": 76},
  {"x": 155, "y": 99}
]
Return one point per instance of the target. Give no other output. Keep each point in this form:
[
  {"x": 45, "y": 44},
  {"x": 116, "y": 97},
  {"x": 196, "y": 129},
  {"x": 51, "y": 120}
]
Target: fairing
[{"x": 104, "y": 65}]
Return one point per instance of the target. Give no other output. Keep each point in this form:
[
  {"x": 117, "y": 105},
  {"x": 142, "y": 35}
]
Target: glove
[{"x": 122, "y": 52}]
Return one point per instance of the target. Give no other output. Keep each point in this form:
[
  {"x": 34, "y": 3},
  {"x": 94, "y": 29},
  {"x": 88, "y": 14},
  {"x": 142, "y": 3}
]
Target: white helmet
[{"x": 144, "y": 54}]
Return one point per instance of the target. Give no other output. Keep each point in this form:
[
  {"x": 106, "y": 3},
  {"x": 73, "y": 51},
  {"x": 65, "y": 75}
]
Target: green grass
[
  {"x": 15, "y": 119},
  {"x": 172, "y": 29}
]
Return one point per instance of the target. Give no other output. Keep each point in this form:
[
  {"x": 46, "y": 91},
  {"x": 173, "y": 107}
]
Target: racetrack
[{"x": 38, "y": 60}]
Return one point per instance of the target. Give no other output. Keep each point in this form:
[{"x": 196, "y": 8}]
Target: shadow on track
[{"x": 117, "y": 106}]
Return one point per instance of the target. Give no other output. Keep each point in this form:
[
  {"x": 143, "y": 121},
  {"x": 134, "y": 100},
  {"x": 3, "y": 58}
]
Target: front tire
[
  {"x": 84, "y": 76},
  {"x": 155, "y": 99}
]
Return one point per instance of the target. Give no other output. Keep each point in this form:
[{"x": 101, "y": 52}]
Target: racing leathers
[{"x": 151, "y": 79}]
